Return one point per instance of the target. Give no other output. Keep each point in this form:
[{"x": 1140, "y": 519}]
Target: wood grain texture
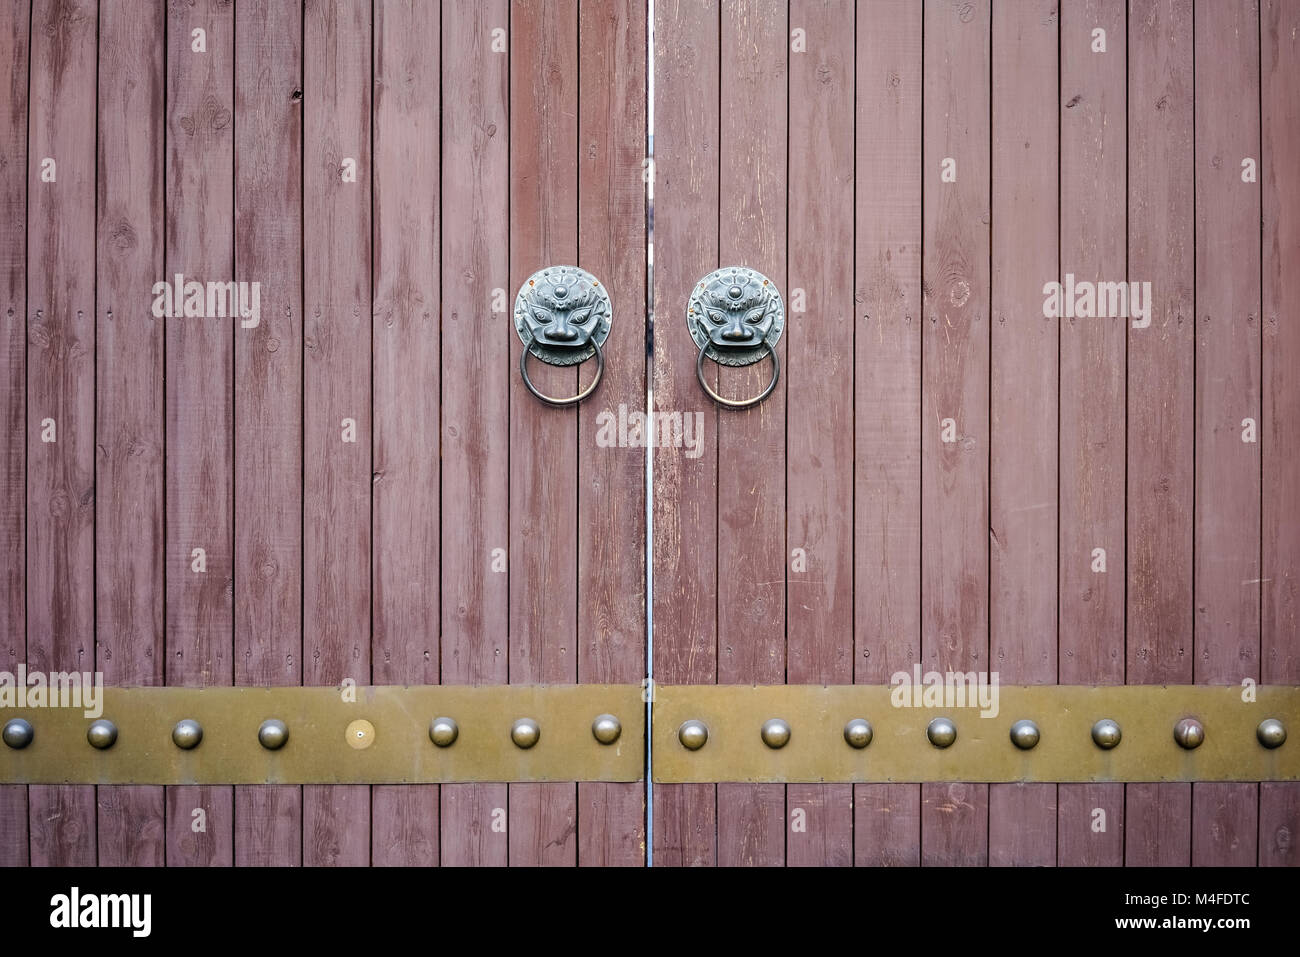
[
  {"x": 61, "y": 388},
  {"x": 752, "y": 443},
  {"x": 1279, "y": 812},
  {"x": 955, "y": 385},
  {"x": 1279, "y": 804},
  {"x": 336, "y": 391},
  {"x": 1023, "y": 398},
  {"x": 476, "y": 423},
  {"x": 1228, "y": 344},
  {"x": 1092, "y": 383},
  {"x": 406, "y": 383},
  {"x": 1090, "y": 822},
  {"x": 544, "y": 513},
  {"x": 268, "y": 396},
  {"x": 200, "y": 377},
  {"x": 820, "y": 400},
  {"x": 1157, "y": 825},
  {"x": 1225, "y": 825},
  {"x": 611, "y": 492},
  {"x": 14, "y": 843},
  {"x": 1093, "y": 353},
  {"x": 887, "y": 394},
  {"x": 1162, "y": 395},
  {"x": 14, "y": 45},
  {"x": 685, "y": 544},
  {"x": 129, "y": 422}
]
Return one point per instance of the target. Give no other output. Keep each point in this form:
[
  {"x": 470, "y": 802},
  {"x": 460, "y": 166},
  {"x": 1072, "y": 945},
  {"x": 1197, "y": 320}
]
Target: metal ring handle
[
  {"x": 737, "y": 403},
  {"x": 572, "y": 400}
]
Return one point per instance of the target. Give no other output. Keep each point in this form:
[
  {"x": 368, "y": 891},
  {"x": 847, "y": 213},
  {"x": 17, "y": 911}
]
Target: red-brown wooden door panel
[
  {"x": 350, "y": 484},
  {"x": 1058, "y": 498}
]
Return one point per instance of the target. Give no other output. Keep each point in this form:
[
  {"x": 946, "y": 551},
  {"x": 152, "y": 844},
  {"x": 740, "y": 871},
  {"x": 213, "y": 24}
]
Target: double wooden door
[{"x": 357, "y": 485}]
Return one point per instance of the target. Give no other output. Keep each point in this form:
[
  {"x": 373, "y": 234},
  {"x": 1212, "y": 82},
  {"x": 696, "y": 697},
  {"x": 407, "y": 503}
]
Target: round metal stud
[
  {"x": 1024, "y": 734},
  {"x": 1189, "y": 733},
  {"x": 693, "y": 735},
  {"x": 941, "y": 732},
  {"x": 187, "y": 734},
  {"x": 102, "y": 734},
  {"x": 360, "y": 734},
  {"x": 1271, "y": 733},
  {"x": 606, "y": 728},
  {"x": 775, "y": 733},
  {"x": 525, "y": 733},
  {"x": 857, "y": 733},
  {"x": 273, "y": 734},
  {"x": 18, "y": 734},
  {"x": 1106, "y": 734},
  {"x": 444, "y": 731}
]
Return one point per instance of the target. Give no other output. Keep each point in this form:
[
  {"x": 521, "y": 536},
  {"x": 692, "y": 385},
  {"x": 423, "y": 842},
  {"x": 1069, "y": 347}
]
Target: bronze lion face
[
  {"x": 736, "y": 315},
  {"x": 561, "y": 314}
]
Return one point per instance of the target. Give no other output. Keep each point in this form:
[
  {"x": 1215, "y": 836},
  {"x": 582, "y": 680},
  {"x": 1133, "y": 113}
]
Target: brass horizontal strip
[
  {"x": 983, "y": 751},
  {"x": 383, "y": 737}
]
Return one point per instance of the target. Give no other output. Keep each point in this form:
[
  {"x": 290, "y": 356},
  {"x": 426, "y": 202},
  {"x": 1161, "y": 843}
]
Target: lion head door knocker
[
  {"x": 735, "y": 316},
  {"x": 562, "y": 315}
]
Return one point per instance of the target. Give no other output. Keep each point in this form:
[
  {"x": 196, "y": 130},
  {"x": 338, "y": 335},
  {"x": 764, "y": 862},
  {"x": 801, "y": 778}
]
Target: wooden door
[
  {"x": 347, "y": 481},
  {"x": 355, "y": 487},
  {"x": 946, "y": 476}
]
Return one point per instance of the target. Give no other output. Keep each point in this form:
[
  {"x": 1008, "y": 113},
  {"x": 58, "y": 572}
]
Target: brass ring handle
[
  {"x": 738, "y": 403},
  {"x": 571, "y": 400}
]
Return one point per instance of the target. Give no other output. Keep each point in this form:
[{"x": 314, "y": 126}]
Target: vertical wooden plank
[
  {"x": 544, "y": 516},
  {"x": 200, "y": 397},
  {"x": 406, "y": 383},
  {"x": 1162, "y": 397},
  {"x": 1090, "y": 825},
  {"x": 14, "y": 38},
  {"x": 129, "y": 401},
  {"x": 1279, "y": 804},
  {"x": 336, "y": 397},
  {"x": 476, "y": 420},
  {"x": 1279, "y": 821},
  {"x": 1157, "y": 825},
  {"x": 1092, "y": 389},
  {"x": 1228, "y": 343},
  {"x": 686, "y": 84},
  {"x": 820, "y": 346},
  {"x": 61, "y": 388},
  {"x": 1225, "y": 825},
  {"x": 14, "y": 845},
  {"x": 887, "y": 394},
  {"x": 955, "y": 367},
  {"x": 752, "y": 443},
  {"x": 268, "y": 397},
  {"x": 1023, "y": 398},
  {"x": 611, "y": 494}
]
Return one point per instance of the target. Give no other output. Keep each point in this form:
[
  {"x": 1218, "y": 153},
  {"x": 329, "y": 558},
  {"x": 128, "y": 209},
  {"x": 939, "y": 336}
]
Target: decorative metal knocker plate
[
  {"x": 736, "y": 316},
  {"x": 562, "y": 315}
]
